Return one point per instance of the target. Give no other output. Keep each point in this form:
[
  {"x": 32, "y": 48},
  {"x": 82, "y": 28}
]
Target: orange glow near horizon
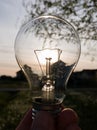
[{"x": 9, "y": 71}]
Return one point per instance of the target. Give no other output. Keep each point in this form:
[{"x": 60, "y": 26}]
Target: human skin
[{"x": 67, "y": 119}]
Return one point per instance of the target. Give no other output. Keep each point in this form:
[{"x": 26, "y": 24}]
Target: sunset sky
[{"x": 12, "y": 15}]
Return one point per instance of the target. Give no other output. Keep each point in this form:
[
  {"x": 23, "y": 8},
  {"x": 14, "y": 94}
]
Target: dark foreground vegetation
[
  {"x": 14, "y": 102},
  {"x": 13, "y": 106}
]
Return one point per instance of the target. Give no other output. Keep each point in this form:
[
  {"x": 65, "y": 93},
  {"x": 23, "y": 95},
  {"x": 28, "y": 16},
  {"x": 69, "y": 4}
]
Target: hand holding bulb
[{"x": 67, "y": 119}]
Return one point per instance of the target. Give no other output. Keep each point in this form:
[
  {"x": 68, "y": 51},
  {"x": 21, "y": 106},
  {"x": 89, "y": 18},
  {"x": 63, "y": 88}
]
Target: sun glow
[{"x": 53, "y": 54}]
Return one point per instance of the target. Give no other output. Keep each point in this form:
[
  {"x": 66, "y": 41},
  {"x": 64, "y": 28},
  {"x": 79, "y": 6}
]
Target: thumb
[{"x": 66, "y": 117}]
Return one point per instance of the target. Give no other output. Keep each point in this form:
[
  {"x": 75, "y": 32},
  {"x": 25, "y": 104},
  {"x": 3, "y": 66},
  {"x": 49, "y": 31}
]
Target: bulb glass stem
[{"x": 48, "y": 60}]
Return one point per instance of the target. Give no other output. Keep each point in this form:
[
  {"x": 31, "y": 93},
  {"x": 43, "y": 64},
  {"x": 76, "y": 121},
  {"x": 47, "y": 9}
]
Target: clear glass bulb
[{"x": 47, "y": 49}]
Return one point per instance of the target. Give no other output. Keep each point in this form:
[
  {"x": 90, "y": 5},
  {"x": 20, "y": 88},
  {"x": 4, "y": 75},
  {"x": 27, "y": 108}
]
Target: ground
[{"x": 14, "y": 104}]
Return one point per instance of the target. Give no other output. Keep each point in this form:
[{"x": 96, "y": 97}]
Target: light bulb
[{"x": 47, "y": 49}]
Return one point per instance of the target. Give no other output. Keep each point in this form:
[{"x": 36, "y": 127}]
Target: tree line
[{"x": 85, "y": 78}]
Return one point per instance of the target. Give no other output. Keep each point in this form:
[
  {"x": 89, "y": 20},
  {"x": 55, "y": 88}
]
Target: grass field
[{"x": 14, "y": 104}]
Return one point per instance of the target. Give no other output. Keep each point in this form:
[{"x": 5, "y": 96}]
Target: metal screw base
[{"x": 38, "y": 105}]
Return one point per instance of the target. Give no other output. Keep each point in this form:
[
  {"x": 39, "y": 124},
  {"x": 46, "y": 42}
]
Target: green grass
[
  {"x": 12, "y": 108},
  {"x": 13, "y": 84}
]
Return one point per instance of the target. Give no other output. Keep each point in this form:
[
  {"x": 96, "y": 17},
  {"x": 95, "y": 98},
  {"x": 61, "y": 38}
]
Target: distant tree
[
  {"x": 27, "y": 73},
  {"x": 20, "y": 75},
  {"x": 60, "y": 73},
  {"x": 6, "y": 78},
  {"x": 82, "y": 13}
]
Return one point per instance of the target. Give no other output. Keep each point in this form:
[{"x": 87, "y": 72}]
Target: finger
[
  {"x": 73, "y": 127},
  {"x": 26, "y": 122},
  {"x": 62, "y": 107},
  {"x": 43, "y": 121},
  {"x": 66, "y": 117}
]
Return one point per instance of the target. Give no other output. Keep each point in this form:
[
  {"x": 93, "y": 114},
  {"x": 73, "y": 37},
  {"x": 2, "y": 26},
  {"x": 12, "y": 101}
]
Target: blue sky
[{"x": 11, "y": 16}]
